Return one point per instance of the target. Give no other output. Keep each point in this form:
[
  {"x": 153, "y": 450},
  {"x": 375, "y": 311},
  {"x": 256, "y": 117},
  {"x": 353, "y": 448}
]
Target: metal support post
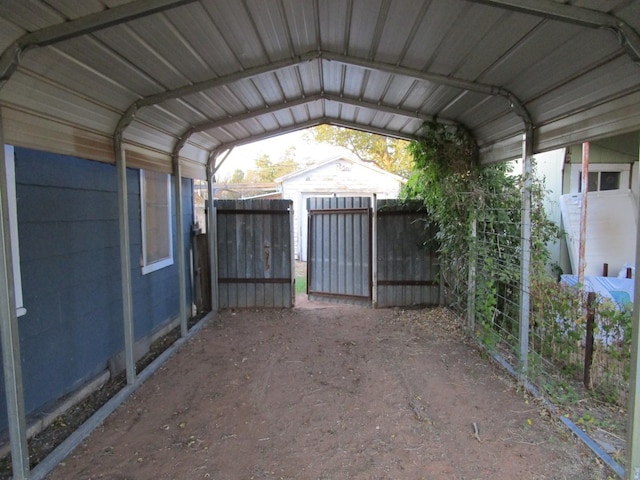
[
  {"x": 182, "y": 274},
  {"x": 212, "y": 233},
  {"x": 525, "y": 258},
  {"x": 374, "y": 252},
  {"x": 292, "y": 256},
  {"x": 125, "y": 258},
  {"x": 633, "y": 428},
  {"x": 9, "y": 335},
  {"x": 471, "y": 287}
]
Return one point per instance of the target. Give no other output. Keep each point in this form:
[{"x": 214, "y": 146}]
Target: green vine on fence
[{"x": 457, "y": 192}]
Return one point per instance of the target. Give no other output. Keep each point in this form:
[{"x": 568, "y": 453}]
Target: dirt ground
[{"x": 328, "y": 392}]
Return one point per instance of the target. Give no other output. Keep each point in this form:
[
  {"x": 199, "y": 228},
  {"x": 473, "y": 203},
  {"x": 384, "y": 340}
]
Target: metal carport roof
[
  {"x": 171, "y": 84},
  {"x": 211, "y": 74}
]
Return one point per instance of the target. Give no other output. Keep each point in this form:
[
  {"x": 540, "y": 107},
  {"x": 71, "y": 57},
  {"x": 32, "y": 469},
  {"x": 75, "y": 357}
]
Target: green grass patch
[{"x": 301, "y": 285}]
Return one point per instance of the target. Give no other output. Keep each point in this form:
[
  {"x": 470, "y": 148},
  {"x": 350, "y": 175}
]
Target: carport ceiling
[{"x": 201, "y": 76}]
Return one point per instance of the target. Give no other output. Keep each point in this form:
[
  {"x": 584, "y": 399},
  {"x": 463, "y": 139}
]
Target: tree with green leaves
[
  {"x": 387, "y": 153},
  {"x": 267, "y": 170}
]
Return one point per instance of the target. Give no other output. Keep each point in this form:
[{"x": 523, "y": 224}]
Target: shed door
[{"x": 339, "y": 251}]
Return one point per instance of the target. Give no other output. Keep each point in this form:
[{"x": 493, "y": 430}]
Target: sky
[{"x": 243, "y": 157}]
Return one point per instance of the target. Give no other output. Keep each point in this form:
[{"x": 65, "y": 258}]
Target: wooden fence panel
[
  {"x": 254, "y": 253},
  {"x": 407, "y": 264}
]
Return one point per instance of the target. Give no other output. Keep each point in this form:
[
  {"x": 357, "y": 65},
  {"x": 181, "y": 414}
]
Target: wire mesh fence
[{"x": 559, "y": 357}]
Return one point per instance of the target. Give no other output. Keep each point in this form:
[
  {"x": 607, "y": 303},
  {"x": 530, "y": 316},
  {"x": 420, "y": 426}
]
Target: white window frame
[
  {"x": 9, "y": 157},
  {"x": 168, "y": 260},
  {"x": 623, "y": 168}
]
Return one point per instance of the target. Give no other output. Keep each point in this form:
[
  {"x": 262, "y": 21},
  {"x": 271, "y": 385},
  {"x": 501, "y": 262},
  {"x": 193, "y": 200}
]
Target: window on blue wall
[{"x": 155, "y": 199}]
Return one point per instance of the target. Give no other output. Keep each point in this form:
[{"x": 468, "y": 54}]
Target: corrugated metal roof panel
[
  {"x": 196, "y": 26},
  {"x": 375, "y": 83},
  {"x": 167, "y": 118},
  {"x": 310, "y": 76},
  {"x": 268, "y": 88},
  {"x": 235, "y": 25},
  {"x": 30, "y": 15},
  {"x": 33, "y": 94},
  {"x": 333, "y": 19},
  {"x": 290, "y": 83},
  {"x": 61, "y": 69},
  {"x": 430, "y": 33},
  {"x": 174, "y": 51},
  {"x": 462, "y": 39},
  {"x": 126, "y": 41},
  {"x": 301, "y": 24},
  {"x": 365, "y": 18},
  {"x": 458, "y": 60},
  {"x": 545, "y": 74},
  {"x": 270, "y": 24},
  {"x": 73, "y": 9},
  {"x": 97, "y": 56},
  {"x": 538, "y": 44},
  {"x": 575, "y": 95},
  {"x": 9, "y": 32},
  {"x": 490, "y": 51}
]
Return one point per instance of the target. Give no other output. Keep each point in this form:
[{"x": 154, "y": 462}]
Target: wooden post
[
  {"x": 583, "y": 213},
  {"x": 605, "y": 269},
  {"x": 588, "y": 351}
]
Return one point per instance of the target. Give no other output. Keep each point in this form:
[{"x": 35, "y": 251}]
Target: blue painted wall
[{"x": 70, "y": 265}]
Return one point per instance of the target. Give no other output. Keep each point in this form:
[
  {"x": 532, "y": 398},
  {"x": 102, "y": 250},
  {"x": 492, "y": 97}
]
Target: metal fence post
[
  {"x": 471, "y": 282},
  {"x": 374, "y": 252},
  {"x": 525, "y": 258},
  {"x": 633, "y": 430},
  {"x": 125, "y": 258},
  {"x": 212, "y": 235},
  {"x": 9, "y": 336},
  {"x": 182, "y": 265}
]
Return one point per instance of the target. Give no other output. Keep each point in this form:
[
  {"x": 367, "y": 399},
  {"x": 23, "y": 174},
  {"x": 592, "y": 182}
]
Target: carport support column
[
  {"x": 213, "y": 236},
  {"x": 182, "y": 274},
  {"x": 525, "y": 258},
  {"x": 633, "y": 428},
  {"x": 9, "y": 333},
  {"x": 125, "y": 258},
  {"x": 374, "y": 251}
]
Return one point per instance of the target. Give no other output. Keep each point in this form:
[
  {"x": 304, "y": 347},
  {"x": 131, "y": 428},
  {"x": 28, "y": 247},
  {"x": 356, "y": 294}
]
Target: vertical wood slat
[{"x": 255, "y": 265}]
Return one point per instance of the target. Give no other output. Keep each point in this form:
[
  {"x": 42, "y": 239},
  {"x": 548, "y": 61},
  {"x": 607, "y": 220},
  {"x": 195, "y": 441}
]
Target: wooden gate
[
  {"x": 339, "y": 251},
  {"x": 341, "y": 247},
  {"x": 255, "y": 258},
  {"x": 407, "y": 264}
]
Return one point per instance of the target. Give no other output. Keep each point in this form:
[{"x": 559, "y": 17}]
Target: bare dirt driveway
[{"x": 330, "y": 392}]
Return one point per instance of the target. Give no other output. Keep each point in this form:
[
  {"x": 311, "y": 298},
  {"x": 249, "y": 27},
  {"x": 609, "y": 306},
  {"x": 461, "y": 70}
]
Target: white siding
[{"x": 341, "y": 178}]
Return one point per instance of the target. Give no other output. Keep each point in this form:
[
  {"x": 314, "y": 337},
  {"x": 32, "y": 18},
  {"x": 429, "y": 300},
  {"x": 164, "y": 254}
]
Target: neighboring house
[
  {"x": 340, "y": 177},
  {"x": 68, "y": 282},
  {"x": 612, "y": 203}
]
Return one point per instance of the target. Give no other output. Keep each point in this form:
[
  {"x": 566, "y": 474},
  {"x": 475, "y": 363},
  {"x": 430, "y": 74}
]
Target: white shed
[{"x": 340, "y": 177}]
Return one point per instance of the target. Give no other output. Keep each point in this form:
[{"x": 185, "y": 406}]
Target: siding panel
[{"x": 70, "y": 265}]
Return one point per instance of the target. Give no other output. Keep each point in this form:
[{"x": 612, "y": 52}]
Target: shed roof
[
  {"x": 197, "y": 77},
  {"x": 367, "y": 165}
]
